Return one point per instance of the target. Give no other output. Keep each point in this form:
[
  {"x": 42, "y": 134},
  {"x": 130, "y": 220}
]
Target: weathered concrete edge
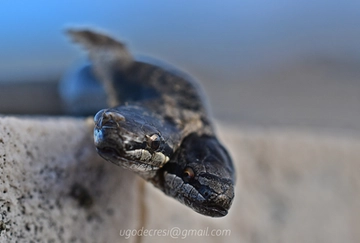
[{"x": 55, "y": 187}]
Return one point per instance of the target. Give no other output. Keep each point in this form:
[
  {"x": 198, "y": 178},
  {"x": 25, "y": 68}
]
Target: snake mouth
[
  {"x": 216, "y": 211},
  {"x": 121, "y": 158},
  {"x": 107, "y": 152}
]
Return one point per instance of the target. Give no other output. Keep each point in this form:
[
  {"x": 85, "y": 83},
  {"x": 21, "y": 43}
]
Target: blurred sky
[
  {"x": 195, "y": 34},
  {"x": 225, "y": 44}
]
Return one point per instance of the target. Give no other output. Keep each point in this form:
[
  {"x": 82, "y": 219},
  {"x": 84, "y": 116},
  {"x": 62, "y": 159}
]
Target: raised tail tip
[
  {"x": 90, "y": 37},
  {"x": 100, "y": 45}
]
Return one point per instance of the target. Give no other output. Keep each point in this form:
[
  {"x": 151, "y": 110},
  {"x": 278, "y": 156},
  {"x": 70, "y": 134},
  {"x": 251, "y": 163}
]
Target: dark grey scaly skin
[
  {"x": 124, "y": 135},
  {"x": 159, "y": 128},
  {"x": 199, "y": 175}
]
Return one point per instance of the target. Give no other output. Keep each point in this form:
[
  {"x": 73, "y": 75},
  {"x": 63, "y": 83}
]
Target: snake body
[{"x": 159, "y": 127}]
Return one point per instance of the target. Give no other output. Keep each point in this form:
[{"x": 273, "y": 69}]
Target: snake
[{"x": 159, "y": 126}]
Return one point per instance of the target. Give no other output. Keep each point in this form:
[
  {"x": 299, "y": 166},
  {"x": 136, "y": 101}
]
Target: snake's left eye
[
  {"x": 188, "y": 174},
  {"x": 154, "y": 141}
]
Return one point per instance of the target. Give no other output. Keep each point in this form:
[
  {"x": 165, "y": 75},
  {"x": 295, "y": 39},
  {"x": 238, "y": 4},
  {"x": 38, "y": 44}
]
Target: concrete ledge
[
  {"x": 54, "y": 187},
  {"x": 292, "y": 187}
]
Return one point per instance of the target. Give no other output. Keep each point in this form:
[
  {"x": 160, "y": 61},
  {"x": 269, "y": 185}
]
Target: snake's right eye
[{"x": 154, "y": 141}]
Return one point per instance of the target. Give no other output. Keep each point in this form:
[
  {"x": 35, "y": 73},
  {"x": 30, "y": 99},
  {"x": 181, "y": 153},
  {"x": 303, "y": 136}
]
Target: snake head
[
  {"x": 200, "y": 175},
  {"x": 132, "y": 137}
]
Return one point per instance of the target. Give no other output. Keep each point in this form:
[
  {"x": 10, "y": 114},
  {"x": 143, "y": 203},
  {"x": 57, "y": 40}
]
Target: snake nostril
[{"x": 205, "y": 192}]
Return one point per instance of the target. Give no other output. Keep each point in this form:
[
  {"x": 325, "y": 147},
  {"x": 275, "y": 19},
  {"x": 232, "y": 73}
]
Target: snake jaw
[
  {"x": 205, "y": 202},
  {"x": 129, "y": 136},
  {"x": 197, "y": 176},
  {"x": 112, "y": 147},
  {"x": 143, "y": 156}
]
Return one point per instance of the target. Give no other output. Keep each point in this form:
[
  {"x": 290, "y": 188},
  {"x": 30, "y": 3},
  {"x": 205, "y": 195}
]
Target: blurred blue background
[{"x": 268, "y": 63}]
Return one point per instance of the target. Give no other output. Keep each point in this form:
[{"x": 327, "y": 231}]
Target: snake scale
[{"x": 158, "y": 126}]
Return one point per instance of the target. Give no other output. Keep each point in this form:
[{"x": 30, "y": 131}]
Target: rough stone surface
[
  {"x": 292, "y": 186},
  {"x": 54, "y": 187}
]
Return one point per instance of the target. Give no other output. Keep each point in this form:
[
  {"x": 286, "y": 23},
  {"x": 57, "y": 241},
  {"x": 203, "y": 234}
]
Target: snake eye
[
  {"x": 154, "y": 141},
  {"x": 188, "y": 174}
]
